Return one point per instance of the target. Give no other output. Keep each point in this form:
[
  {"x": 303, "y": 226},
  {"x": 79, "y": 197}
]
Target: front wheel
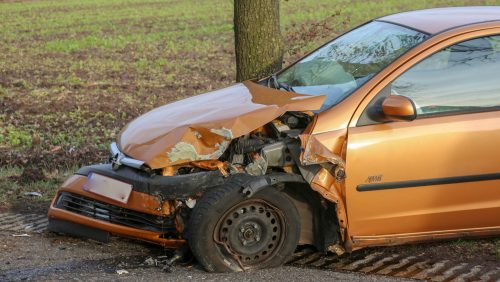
[{"x": 230, "y": 232}]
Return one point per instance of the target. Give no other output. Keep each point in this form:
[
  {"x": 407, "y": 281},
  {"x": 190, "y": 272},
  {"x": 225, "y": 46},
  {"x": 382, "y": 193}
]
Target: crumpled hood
[{"x": 201, "y": 127}]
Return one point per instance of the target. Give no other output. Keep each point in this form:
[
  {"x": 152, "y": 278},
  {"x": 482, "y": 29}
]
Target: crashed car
[{"x": 386, "y": 135}]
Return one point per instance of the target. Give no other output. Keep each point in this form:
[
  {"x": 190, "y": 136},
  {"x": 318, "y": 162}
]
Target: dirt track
[
  {"x": 35, "y": 254},
  {"x": 48, "y": 257}
]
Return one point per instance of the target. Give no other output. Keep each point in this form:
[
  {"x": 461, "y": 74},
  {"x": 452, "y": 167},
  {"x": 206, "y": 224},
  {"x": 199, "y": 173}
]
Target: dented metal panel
[
  {"x": 324, "y": 147},
  {"x": 202, "y": 127},
  {"x": 325, "y": 184}
]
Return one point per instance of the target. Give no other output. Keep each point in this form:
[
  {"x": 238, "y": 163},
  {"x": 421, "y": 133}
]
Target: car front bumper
[{"x": 152, "y": 213}]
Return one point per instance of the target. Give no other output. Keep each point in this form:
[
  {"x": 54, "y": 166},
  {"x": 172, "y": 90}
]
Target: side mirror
[{"x": 396, "y": 108}]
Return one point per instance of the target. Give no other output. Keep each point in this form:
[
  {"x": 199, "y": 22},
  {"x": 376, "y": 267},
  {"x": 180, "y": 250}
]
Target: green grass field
[{"x": 73, "y": 73}]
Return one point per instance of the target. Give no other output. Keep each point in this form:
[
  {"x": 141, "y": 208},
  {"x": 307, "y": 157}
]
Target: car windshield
[{"x": 343, "y": 65}]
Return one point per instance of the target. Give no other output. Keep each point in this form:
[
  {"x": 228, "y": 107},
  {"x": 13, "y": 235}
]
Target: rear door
[{"x": 440, "y": 172}]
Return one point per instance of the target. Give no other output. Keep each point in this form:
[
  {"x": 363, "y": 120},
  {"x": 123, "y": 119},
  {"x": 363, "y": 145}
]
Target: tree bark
[{"x": 258, "y": 41}]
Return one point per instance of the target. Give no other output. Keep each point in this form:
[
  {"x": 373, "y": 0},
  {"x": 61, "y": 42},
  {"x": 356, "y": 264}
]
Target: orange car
[{"x": 389, "y": 134}]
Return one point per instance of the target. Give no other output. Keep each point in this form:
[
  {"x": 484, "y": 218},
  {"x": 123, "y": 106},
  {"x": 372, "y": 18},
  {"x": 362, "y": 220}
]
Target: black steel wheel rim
[{"x": 251, "y": 232}]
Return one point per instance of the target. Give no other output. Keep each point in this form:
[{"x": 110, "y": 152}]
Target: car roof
[{"x": 435, "y": 20}]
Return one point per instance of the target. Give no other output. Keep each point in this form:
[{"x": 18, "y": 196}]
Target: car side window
[{"x": 462, "y": 78}]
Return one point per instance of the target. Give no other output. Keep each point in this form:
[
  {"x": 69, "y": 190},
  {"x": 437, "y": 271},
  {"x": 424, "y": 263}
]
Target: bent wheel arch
[{"x": 318, "y": 217}]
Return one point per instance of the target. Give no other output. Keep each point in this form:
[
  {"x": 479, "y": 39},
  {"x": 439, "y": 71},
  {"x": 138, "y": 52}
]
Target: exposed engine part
[
  {"x": 238, "y": 159},
  {"x": 277, "y": 155},
  {"x": 272, "y": 155},
  {"x": 296, "y": 120},
  {"x": 236, "y": 168},
  {"x": 190, "y": 202},
  {"x": 290, "y": 124},
  {"x": 280, "y": 126},
  {"x": 257, "y": 167},
  {"x": 243, "y": 146},
  {"x": 291, "y": 120},
  {"x": 266, "y": 147}
]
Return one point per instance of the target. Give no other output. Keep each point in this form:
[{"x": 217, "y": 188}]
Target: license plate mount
[{"x": 108, "y": 187}]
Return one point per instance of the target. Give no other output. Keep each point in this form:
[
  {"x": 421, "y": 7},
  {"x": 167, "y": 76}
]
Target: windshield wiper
[{"x": 273, "y": 82}]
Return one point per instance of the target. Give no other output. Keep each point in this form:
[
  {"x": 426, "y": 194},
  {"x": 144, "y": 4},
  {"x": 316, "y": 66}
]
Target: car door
[{"x": 439, "y": 173}]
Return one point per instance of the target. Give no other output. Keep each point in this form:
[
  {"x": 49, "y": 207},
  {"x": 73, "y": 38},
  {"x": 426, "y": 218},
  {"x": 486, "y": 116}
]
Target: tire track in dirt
[{"x": 390, "y": 264}]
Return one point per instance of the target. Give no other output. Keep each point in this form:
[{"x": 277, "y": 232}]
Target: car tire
[{"x": 230, "y": 232}]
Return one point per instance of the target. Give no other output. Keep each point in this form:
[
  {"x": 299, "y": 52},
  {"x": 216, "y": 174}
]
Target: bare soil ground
[{"x": 49, "y": 257}]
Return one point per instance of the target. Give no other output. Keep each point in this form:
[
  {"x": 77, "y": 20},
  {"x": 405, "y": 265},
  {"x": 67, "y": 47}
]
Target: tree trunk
[{"x": 258, "y": 41}]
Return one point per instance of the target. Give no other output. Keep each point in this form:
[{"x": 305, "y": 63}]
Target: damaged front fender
[{"x": 325, "y": 149}]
